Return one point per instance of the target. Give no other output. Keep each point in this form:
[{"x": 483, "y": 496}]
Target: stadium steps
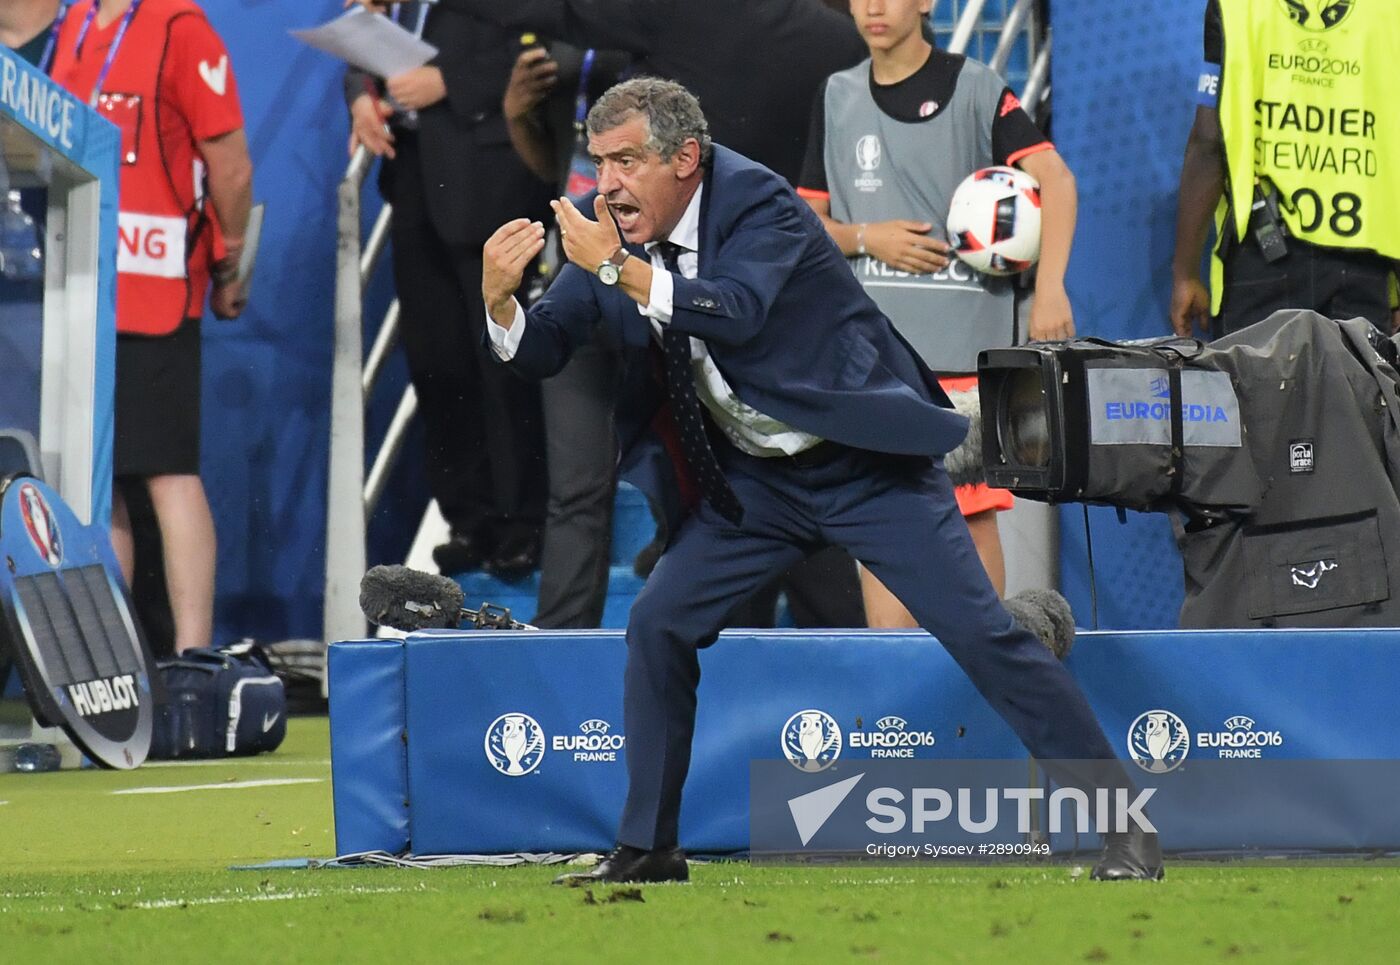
[
  {"x": 633, "y": 529},
  {"x": 985, "y": 36}
]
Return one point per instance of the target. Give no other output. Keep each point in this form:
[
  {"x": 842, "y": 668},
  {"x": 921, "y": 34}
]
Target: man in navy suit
[{"x": 782, "y": 413}]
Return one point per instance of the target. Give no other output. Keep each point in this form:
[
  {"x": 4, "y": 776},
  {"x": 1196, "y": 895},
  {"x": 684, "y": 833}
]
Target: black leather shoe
[
  {"x": 1130, "y": 856},
  {"x": 461, "y": 553},
  {"x": 628, "y": 864},
  {"x": 517, "y": 553}
]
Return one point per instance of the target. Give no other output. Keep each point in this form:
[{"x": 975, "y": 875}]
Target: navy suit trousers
[{"x": 898, "y": 516}]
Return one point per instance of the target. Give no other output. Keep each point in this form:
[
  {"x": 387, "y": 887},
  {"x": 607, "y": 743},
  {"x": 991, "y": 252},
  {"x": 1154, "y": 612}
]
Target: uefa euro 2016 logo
[
  {"x": 811, "y": 740},
  {"x": 868, "y": 152},
  {"x": 515, "y": 744},
  {"x": 1158, "y": 741},
  {"x": 1317, "y": 15}
]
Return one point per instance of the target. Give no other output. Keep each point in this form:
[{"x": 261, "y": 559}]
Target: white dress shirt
[{"x": 748, "y": 429}]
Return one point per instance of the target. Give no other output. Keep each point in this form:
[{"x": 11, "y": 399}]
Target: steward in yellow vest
[{"x": 1296, "y": 152}]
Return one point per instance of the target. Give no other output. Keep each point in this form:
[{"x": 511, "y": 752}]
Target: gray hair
[{"x": 671, "y": 112}]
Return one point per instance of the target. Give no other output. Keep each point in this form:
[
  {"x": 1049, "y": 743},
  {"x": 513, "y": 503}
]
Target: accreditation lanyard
[
  {"x": 46, "y": 61},
  {"x": 581, "y": 101},
  {"x": 583, "y": 174},
  {"x": 111, "y": 51}
]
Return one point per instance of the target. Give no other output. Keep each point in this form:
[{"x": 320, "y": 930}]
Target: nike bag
[{"x": 222, "y": 701}]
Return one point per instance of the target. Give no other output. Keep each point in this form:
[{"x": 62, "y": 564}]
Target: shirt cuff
[
  {"x": 661, "y": 301},
  {"x": 505, "y": 341}
]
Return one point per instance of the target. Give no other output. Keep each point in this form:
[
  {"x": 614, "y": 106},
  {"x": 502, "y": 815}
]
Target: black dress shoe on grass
[
  {"x": 632, "y": 865},
  {"x": 1130, "y": 856}
]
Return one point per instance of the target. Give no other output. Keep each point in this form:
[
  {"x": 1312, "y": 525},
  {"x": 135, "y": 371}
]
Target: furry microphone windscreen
[
  {"x": 964, "y": 464},
  {"x": 405, "y": 599},
  {"x": 1046, "y": 614}
]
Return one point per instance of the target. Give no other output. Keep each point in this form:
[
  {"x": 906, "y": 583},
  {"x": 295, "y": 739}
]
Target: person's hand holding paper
[
  {"x": 418, "y": 88},
  {"x": 371, "y": 42}
]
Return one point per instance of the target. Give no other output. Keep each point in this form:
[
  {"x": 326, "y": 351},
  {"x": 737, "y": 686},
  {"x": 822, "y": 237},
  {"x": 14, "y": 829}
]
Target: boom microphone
[
  {"x": 395, "y": 596},
  {"x": 405, "y": 599},
  {"x": 1046, "y": 614}
]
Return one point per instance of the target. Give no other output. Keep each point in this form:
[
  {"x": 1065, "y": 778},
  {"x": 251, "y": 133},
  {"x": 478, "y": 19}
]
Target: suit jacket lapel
[{"x": 707, "y": 233}]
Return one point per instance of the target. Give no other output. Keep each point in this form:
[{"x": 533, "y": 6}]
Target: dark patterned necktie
[{"x": 685, "y": 406}]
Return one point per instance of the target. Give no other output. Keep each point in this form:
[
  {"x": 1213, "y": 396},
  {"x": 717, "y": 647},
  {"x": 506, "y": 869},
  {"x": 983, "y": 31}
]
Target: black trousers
[
  {"x": 1334, "y": 282},
  {"x": 484, "y": 432},
  {"x": 582, "y": 455}
]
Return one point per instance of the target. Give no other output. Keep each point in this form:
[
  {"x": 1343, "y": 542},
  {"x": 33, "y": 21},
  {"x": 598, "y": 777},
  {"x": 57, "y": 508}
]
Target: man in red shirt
[{"x": 157, "y": 70}]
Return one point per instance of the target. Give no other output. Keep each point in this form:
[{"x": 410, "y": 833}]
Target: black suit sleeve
[
  {"x": 358, "y": 82},
  {"x": 472, "y": 94},
  {"x": 813, "y": 177},
  {"x": 629, "y": 25}
]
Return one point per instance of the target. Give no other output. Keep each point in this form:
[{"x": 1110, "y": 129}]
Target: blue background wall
[
  {"x": 267, "y": 375},
  {"x": 1124, "y": 79}
]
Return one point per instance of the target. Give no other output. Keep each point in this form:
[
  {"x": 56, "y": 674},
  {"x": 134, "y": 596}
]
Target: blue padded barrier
[
  {"x": 368, "y": 763},
  {"x": 1328, "y": 695},
  {"x": 1321, "y": 698},
  {"x": 459, "y": 685}
]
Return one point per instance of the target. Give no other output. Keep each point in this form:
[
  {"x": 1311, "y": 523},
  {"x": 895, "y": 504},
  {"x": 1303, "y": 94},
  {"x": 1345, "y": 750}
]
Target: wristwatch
[{"x": 610, "y": 271}]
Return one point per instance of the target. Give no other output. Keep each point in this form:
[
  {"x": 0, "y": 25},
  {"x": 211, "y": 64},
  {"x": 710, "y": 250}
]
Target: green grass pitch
[{"x": 89, "y": 874}]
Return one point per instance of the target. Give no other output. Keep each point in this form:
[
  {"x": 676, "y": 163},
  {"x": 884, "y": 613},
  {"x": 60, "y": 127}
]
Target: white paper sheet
[
  {"x": 252, "y": 238},
  {"x": 369, "y": 41}
]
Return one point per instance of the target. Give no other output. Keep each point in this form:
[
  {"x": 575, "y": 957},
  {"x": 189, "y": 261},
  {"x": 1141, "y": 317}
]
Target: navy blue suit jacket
[{"x": 784, "y": 319}]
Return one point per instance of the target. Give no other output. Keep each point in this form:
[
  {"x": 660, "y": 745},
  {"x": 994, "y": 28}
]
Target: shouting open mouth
[{"x": 626, "y": 215}]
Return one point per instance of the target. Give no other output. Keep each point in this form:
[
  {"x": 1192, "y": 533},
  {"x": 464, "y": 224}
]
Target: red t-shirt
[{"x": 169, "y": 87}]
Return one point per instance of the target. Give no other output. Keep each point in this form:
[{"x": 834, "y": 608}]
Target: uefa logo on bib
[
  {"x": 515, "y": 744},
  {"x": 811, "y": 740},
  {"x": 868, "y": 152},
  {"x": 1317, "y": 15},
  {"x": 1158, "y": 741}
]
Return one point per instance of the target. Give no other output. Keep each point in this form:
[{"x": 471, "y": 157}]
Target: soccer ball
[{"x": 994, "y": 221}]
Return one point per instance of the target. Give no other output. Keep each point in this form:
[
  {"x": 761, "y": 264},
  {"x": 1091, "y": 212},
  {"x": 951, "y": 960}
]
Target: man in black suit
[
  {"x": 452, "y": 177},
  {"x": 788, "y": 414}
]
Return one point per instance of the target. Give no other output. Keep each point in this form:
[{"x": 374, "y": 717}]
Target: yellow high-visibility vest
[{"x": 1309, "y": 98}]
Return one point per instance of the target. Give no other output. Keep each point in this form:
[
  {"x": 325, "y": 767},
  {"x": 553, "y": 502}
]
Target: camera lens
[{"x": 1023, "y": 420}]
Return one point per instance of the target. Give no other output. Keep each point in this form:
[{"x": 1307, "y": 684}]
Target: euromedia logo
[{"x": 1135, "y": 406}]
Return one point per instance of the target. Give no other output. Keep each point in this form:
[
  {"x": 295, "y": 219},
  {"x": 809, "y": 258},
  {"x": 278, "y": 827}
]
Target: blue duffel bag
[{"x": 220, "y": 701}]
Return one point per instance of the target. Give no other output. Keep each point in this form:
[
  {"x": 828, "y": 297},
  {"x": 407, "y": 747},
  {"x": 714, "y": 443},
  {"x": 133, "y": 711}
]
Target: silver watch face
[{"x": 608, "y": 273}]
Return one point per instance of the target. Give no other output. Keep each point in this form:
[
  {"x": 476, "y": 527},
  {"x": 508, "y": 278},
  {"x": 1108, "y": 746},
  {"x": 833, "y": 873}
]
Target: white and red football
[{"x": 994, "y": 221}]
